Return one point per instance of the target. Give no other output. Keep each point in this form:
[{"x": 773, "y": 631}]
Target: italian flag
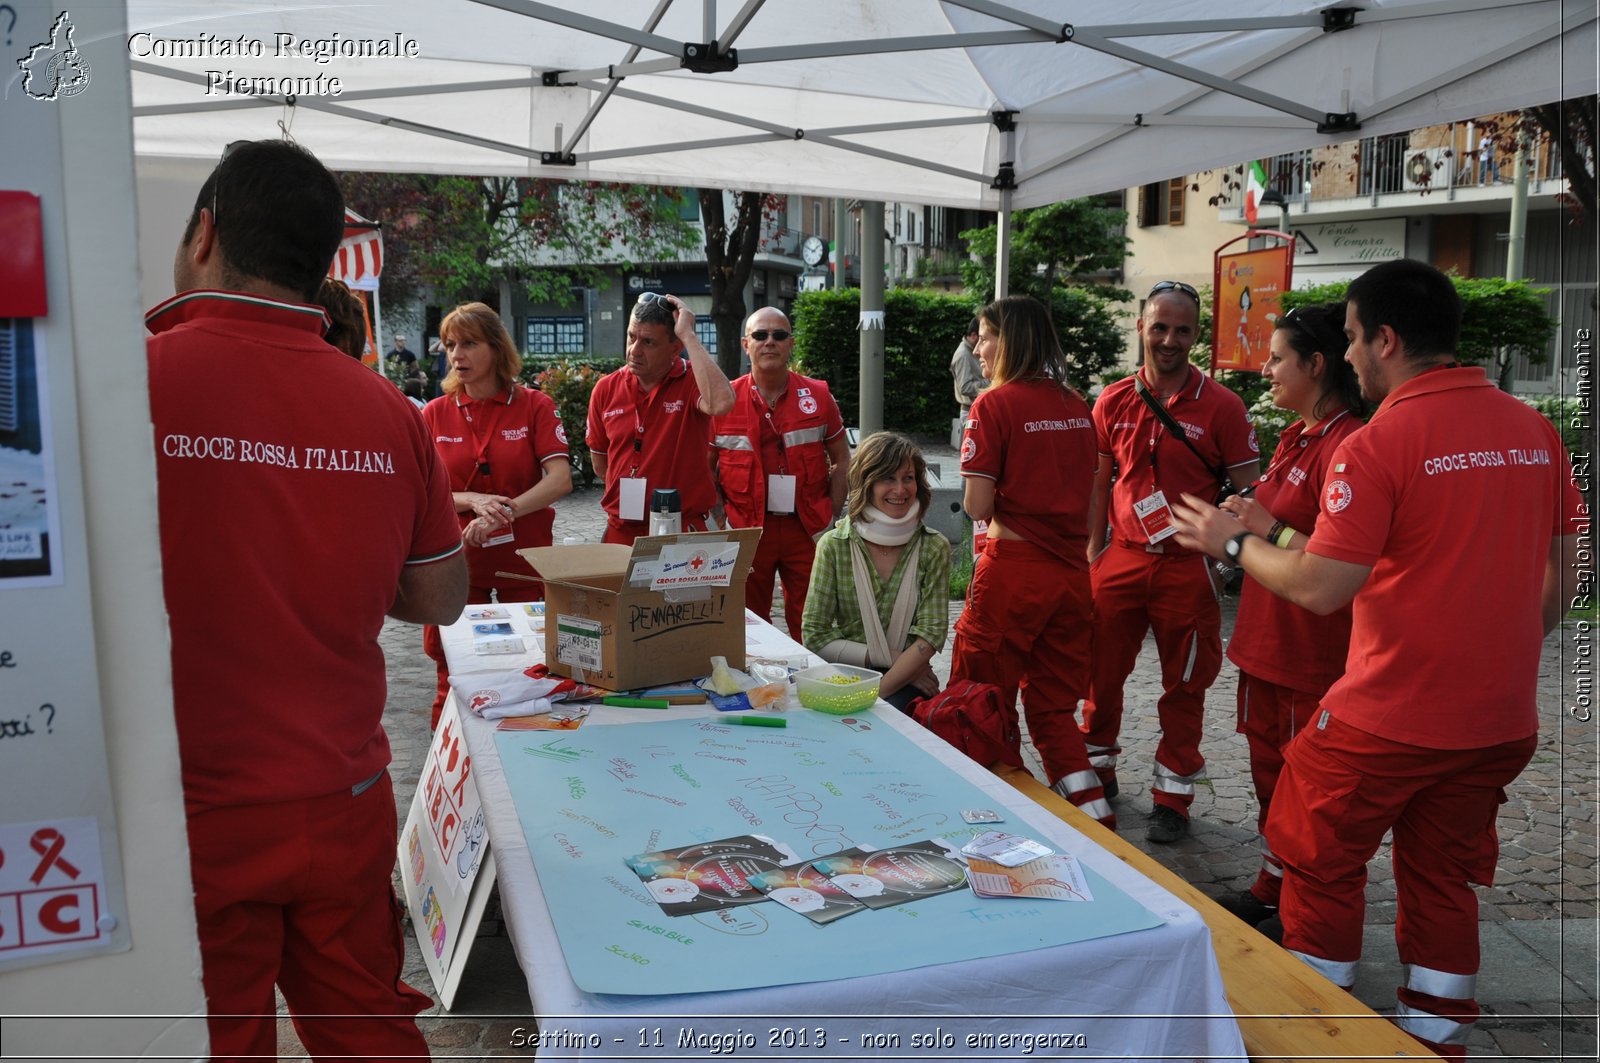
[{"x": 1255, "y": 185}]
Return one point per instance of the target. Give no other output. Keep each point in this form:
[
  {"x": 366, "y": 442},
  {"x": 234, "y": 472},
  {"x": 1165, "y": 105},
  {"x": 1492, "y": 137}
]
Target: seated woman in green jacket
[{"x": 880, "y": 585}]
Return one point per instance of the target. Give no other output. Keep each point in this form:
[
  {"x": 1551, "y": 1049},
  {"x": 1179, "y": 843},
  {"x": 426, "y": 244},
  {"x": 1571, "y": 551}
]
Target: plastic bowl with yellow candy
[{"x": 838, "y": 689}]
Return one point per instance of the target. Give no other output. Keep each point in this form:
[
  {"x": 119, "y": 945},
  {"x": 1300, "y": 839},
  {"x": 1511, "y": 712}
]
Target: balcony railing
[{"x": 1442, "y": 161}]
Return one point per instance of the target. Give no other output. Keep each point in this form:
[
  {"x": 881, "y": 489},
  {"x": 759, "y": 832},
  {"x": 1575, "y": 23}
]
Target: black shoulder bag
[{"x": 1225, "y": 487}]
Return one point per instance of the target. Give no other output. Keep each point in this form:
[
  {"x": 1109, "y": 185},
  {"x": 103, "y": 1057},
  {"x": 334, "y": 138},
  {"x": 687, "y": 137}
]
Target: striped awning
[{"x": 359, "y": 260}]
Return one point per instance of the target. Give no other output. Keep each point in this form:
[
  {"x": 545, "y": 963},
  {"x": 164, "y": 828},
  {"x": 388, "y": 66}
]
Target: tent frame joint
[
  {"x": 1004, "y": 121},
  {"x": 1006, "y": 179},
  {"x": 706, "y": 59},
  {"x": 1066, "y": 33},
  {"x": 551, "y": 78},
  {"x": 1335, "y": 19},
  {"x": 558, "y": 158},
  {"x": 1339, "y": 123}
]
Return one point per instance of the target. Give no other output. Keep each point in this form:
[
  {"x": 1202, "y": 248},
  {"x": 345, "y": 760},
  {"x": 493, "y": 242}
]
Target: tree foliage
[
  {"x": 921, "y": 331},
  {"x": 730, "y": 252},
  {"x": 462, "y": 235},
  {"x": 1500, "y": 320},
  {"x": 1061, "y": 243},
  {"x": 1054, "y": 250}
]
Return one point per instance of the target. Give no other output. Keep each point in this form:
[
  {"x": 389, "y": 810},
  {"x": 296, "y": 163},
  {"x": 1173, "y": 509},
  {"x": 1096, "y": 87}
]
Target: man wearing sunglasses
[
  {"x": 1142, "y": 579},
  {"x": 317, "y": 511},
  {"x": 781, "y": 461},
  {"x": 650, "y": 421}
]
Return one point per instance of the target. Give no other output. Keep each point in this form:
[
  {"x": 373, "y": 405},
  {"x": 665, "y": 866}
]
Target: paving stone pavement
[{"x": 1538, "y": 922}]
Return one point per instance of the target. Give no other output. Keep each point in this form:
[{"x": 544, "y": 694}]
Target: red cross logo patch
[
  {"x": 697, "y": 562},
  {"x": 1337, "y": 495}
]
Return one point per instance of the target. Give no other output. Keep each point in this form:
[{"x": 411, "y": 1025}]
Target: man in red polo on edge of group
[
  {"x": 650, "y": 421},
  {"x": 291, "y": 524},
  {"x": 781, "y": 465},
  {"x": 1143, "y": 579},
  {"x": 1456, "y": 500}
]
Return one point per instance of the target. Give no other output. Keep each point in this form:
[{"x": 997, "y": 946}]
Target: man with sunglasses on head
[
  {"x": 781, "y": 461},
  {"x": 291, "y": 524},
  {"x": 650, "y": 421},
  {"x": 1142, "y": 579}
]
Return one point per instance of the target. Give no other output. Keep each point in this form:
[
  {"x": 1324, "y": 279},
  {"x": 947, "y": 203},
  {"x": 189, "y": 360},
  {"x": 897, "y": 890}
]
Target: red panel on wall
[{"x": 21, "y": 256}]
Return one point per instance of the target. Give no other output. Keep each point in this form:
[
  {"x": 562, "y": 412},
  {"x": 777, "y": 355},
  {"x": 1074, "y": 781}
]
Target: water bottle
[{"x": 666, "y": 512}]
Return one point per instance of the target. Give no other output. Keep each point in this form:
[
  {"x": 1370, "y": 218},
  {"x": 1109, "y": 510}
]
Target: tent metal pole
[
  {"x": 893, "y": 127},
  {"x": 841, "y": 222},
  {"x": 708, "y": 20},
  {"x": 737, "y": 24},
  {"x": 1002, "y": 247},
  {"x": 870, "y": 417},
  {"x": 1193, "y": 121},
  {"x": 605, "y": 96},
  {"x": 1505, "y": 51},
  {"x": 1199, "y": 77},
  {"x": 686, "y": 145},
  {"x": 925, "y": 43},
  {"x": 598, "y": 27}
]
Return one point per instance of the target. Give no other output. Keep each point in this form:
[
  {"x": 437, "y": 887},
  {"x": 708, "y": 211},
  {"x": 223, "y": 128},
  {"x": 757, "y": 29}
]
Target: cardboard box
[{"x": 628, "y": 617}]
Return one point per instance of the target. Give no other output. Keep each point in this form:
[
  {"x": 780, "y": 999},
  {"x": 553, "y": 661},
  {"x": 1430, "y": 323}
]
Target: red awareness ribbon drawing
[{"x": 48, "y": 843}]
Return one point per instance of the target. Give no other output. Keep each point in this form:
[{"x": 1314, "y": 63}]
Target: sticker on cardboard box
[
  {"x": 578, "y": 642},
  {"x": 696, "y": 565}
]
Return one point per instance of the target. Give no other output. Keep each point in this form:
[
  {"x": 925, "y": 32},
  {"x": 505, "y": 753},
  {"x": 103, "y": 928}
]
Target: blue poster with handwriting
[{"x": 590, "y": 799}]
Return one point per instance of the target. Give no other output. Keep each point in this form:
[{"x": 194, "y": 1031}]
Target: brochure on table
[{"x": 589, "y": 799}]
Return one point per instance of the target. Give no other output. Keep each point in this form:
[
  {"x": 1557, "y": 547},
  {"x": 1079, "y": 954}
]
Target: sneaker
[
  {"x": 1166, "y": 825},
  {"x": 1248, "y": 907},
  {"x": 1272, "y": 928}
]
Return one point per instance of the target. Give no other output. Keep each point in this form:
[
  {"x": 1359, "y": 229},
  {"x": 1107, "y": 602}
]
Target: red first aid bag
[{"x": 971, "y": 717}]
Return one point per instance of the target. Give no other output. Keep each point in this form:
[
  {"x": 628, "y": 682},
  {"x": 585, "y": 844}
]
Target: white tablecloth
[{"x": 1154, "y": 993}]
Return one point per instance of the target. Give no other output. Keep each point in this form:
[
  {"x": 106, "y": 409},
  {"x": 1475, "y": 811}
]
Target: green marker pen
[
  {"x": 636, "y": 703},
  {"x": 759, "y": 721}
]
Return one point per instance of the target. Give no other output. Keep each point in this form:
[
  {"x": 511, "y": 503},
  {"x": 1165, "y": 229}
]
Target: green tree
[
  {"x": 1054, "y": 251},
  {"x": 1500, "y": 320},
  {"x": 462, "y": 235},
  {"x": 1058, "y": 244},
  {"x": 730, "y": 252}
]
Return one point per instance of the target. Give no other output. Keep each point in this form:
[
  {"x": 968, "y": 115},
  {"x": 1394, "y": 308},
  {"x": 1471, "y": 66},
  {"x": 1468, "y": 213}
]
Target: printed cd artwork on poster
[{"x": 30, "y": 540}]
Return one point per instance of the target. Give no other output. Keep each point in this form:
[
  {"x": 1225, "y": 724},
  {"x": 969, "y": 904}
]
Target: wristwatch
[{"x": 1235, "y": 544}]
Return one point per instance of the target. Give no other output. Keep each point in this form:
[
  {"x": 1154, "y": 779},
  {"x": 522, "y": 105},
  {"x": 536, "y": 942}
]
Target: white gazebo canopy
[{"x": 962, "y": 102}]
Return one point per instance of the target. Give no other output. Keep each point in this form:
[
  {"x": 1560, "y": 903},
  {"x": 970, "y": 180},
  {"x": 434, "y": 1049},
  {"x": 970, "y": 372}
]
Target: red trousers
[
  {"x": 1027, "y": 627},
  {"x": 433, "y": 643},
  {"x": 1341, "y": 790},
  {"x": 1170, "y": 594},
  {"x": 297, "y": 894},
  {"x": 786, "y": 552},
  {"x": 1269, "y": 717}
]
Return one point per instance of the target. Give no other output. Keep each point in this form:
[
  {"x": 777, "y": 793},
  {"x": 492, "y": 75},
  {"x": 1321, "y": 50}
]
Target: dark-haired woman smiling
[{"x": 1288, "y": 657}]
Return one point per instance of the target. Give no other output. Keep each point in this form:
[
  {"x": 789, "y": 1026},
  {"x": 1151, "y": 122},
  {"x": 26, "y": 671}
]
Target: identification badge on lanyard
[
  {"x": 780, "y": 493},
  {"x": 631, "y": 504},
  {"x": 1155, "y": 517}
]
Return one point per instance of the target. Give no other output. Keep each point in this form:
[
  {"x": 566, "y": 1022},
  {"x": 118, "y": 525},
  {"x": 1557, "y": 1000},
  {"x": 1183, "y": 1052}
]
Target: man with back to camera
[
  {"x": 781, "y": 461},
  {"x": 318, "y": 514},
  {"x": 1455, "y": 500},
  {"x": 1142, "y": 578},
  {"x": 650, "y": 421}
]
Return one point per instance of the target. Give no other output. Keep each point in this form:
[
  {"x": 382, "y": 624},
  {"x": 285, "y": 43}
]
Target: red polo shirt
[
  {"x": 295, "y": 485},
  {"x": 1036, "y": 440},
  {"x": 1452, "y": 493},
  {"x": 498, "y": 446},
  {"x": 1148, "y": 457},
  {"x": 1273, "y": 639},
  {"x": 660, "y": 434}
]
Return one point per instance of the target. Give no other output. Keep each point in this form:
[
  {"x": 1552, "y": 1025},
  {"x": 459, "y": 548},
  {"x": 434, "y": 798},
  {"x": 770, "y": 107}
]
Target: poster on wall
[
  {"x": 1247, "y": 285},
  {"x": 62, "y": 891}
]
